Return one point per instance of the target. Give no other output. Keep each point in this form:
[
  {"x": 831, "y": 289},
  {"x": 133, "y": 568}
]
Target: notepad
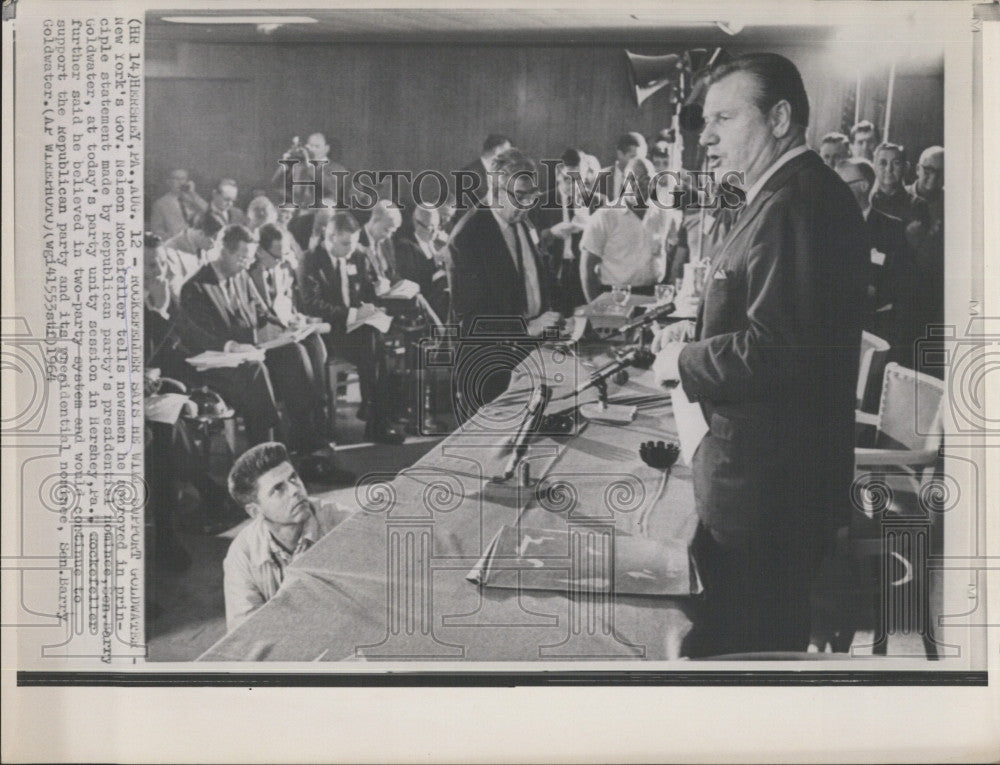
[{"x": 691, "y": 425}]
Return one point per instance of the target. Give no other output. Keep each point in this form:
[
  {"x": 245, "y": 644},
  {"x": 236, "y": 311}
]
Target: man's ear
[
  {"x": 252, "y": 509},
  {"x": 780, "y": 119}
]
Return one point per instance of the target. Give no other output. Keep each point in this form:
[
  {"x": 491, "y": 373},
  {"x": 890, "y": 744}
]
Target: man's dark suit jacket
[
  {"x": 388, "y": 252},
  {"x": 485, "y": 281},
  {"x": 775, "y": 361},
  {"x": 164, "y": 346},
  {"x": 211, "y": 323},
  {"x": 413, "y": 264},
  {"x": 480, "y": 186},
  {"x": 321, "y": 291}
]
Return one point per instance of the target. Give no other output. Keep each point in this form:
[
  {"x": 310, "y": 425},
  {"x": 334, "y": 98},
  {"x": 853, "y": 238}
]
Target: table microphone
[
  {"x": 532, "y": 419},
  {"x": 619, "y": 365},
  {"x": 653, "y": 314}
]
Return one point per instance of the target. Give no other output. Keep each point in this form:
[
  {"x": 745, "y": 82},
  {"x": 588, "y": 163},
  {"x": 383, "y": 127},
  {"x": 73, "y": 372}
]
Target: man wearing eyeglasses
[
  {"x": 223, "y": 206},
  {"x": 498, "y": 273}
]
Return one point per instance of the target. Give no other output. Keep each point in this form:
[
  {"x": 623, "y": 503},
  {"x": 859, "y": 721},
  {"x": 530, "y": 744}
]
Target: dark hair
[
  {"x": 886, "y": 146},
  {"x": 865, "y": 127},
  {"x": 209, "y": 225},
  {"x": 834, "y": 138},
  {"x": 626, "y": 141},
  {"x": 778, "y": 79},
  {"x": 342, "y": 221},
  {"x": 235, "y": 234},
  {"x": 250, "y": 466},
  {"x": 493, "y": 140},
  {"x": 864, "y": 167},
  {"x": 151, "y": 240},
  {"x": 512, "y": 161},
  {"x": 570, "y": 158},
  {"x": 269, "y": 233}
]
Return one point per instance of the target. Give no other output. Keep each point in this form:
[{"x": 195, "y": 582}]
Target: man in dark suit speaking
[{"x": 773, "y": 363}]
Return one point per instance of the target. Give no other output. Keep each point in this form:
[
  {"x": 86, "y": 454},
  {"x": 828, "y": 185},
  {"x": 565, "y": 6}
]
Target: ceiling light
[{"x": 255, "y": 20}]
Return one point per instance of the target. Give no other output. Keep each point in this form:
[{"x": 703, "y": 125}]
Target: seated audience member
[
  {"x": 192, "y": 248},
  {"x": 833, "y": 148},
  {"x": 223, "y": 205},
  {"x": 292, "y": 251},
  {"x": 261, "y": 211},
  {"x": 337, "y": 282},
  {"x": 891, "y": 282},
  {"x": 225, "y": 314},
  {"x": 628, "y": 147},
  {"x": 473, "y": 185},
  {"x": 864, "y": 138},
  {"x": 560, "y": 219},
  {"x": 275, "y": 277},
  {"x": 890, "y": 196},
  {"x": 178, "y": 208},
  {"x": 447, "y": 218},
  {"x": 625, "y": 239},
  {"x": 419, "y": 259},
  {"x": 497, "y": 270},
  {"x": 164, "y": 348},
  {"x": 306, "y": 227},
  {"x": 376, "y": 239},
  {"x": 285, "y": 523}
]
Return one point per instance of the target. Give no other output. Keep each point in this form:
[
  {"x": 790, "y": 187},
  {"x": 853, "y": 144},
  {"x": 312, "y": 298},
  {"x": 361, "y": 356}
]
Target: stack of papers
[
  {"x": 293, "y": 336},
  {"x": 224, "y": 359},
  {"x": 541, "y": 559},
  {"x": 404, "y": 289},
  {"x": 368, "y": 314}
]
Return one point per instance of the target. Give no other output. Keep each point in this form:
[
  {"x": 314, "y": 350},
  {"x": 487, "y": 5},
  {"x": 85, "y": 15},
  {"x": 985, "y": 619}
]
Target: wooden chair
[
  {"x": 891, "y": 522},
  {"x": 874, "y": 354}
]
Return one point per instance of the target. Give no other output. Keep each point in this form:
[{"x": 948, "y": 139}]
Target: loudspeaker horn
[{"x": 650, "y": 74}]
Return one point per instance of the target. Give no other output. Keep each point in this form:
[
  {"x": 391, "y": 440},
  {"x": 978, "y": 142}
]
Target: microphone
[
  {"x": 610, "y": 369},
  {"x": 651, "y": 315},
  {"x": 532, "y": 419}
]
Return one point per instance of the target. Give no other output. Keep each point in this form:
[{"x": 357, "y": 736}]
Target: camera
[
  {"x": 970, "y": 366},
  {"x": 468, "y": 374}
]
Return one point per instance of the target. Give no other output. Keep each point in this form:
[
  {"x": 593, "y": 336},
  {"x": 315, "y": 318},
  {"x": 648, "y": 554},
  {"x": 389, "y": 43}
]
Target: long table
[{"x": 389, "y": 583}]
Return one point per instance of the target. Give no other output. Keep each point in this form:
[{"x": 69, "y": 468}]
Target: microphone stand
[{"x": 529, "y": 425}]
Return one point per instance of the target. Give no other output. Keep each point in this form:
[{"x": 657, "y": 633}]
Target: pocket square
[{"x": 720, "y": 274}]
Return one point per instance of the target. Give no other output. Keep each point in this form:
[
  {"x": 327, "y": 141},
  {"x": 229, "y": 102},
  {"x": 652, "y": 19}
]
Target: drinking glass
[
  {"x": 664, "y": 293},
  {"x": 620, "y": 295}
]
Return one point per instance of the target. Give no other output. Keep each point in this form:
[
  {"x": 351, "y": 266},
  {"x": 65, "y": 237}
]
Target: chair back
[
  {"x": 909, "y": 414},
  {"x": 874, "y": 354}
]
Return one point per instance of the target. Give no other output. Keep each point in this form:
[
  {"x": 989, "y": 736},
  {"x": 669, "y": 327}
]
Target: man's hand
[
  {"x": 681, "y": 332},
  {"x": 666, "y": 367},
  {"x": 548, "y": 320}
]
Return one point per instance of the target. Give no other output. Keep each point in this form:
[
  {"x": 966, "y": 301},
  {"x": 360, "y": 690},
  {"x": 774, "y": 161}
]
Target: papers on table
[
  {"x": 164, "y": 407},
  {"x": 224, "y": 359},
  {"x": 542, "y": 559},
  {"x": 293, "y": 335},
  {"x": 370, "y": 315},
  {"x": 404, "y": 289},
  {"x": 612, "y": 414},
  {"x": 691, "y": 425}
]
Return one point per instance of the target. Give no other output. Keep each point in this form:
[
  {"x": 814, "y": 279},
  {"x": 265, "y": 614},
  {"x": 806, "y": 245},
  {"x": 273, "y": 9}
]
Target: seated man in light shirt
[
  {"x": 285, "y": 523},
  {"x": 625, "y": 240}
]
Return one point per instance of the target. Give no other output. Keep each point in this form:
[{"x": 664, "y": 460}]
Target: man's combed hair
[
  {"x": 864, "y": 167},
  {"x": 513, "y": 161},
  {"x": 837, "y": 138},
  {"x": 887, "y": 146},
  {"x": 209, "y": 225},
  {"x": 344, "y": 222},
  {"x": 493, "y": 140},
  {"x": 865, "y": 126},
  {"x": 234, "y": 234},
  {"x": 626, "y": 141},
  {"x": 777, "y": 78},
  {"x": 268, "y": 234},
  {"x": 250, "y": 466}
]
